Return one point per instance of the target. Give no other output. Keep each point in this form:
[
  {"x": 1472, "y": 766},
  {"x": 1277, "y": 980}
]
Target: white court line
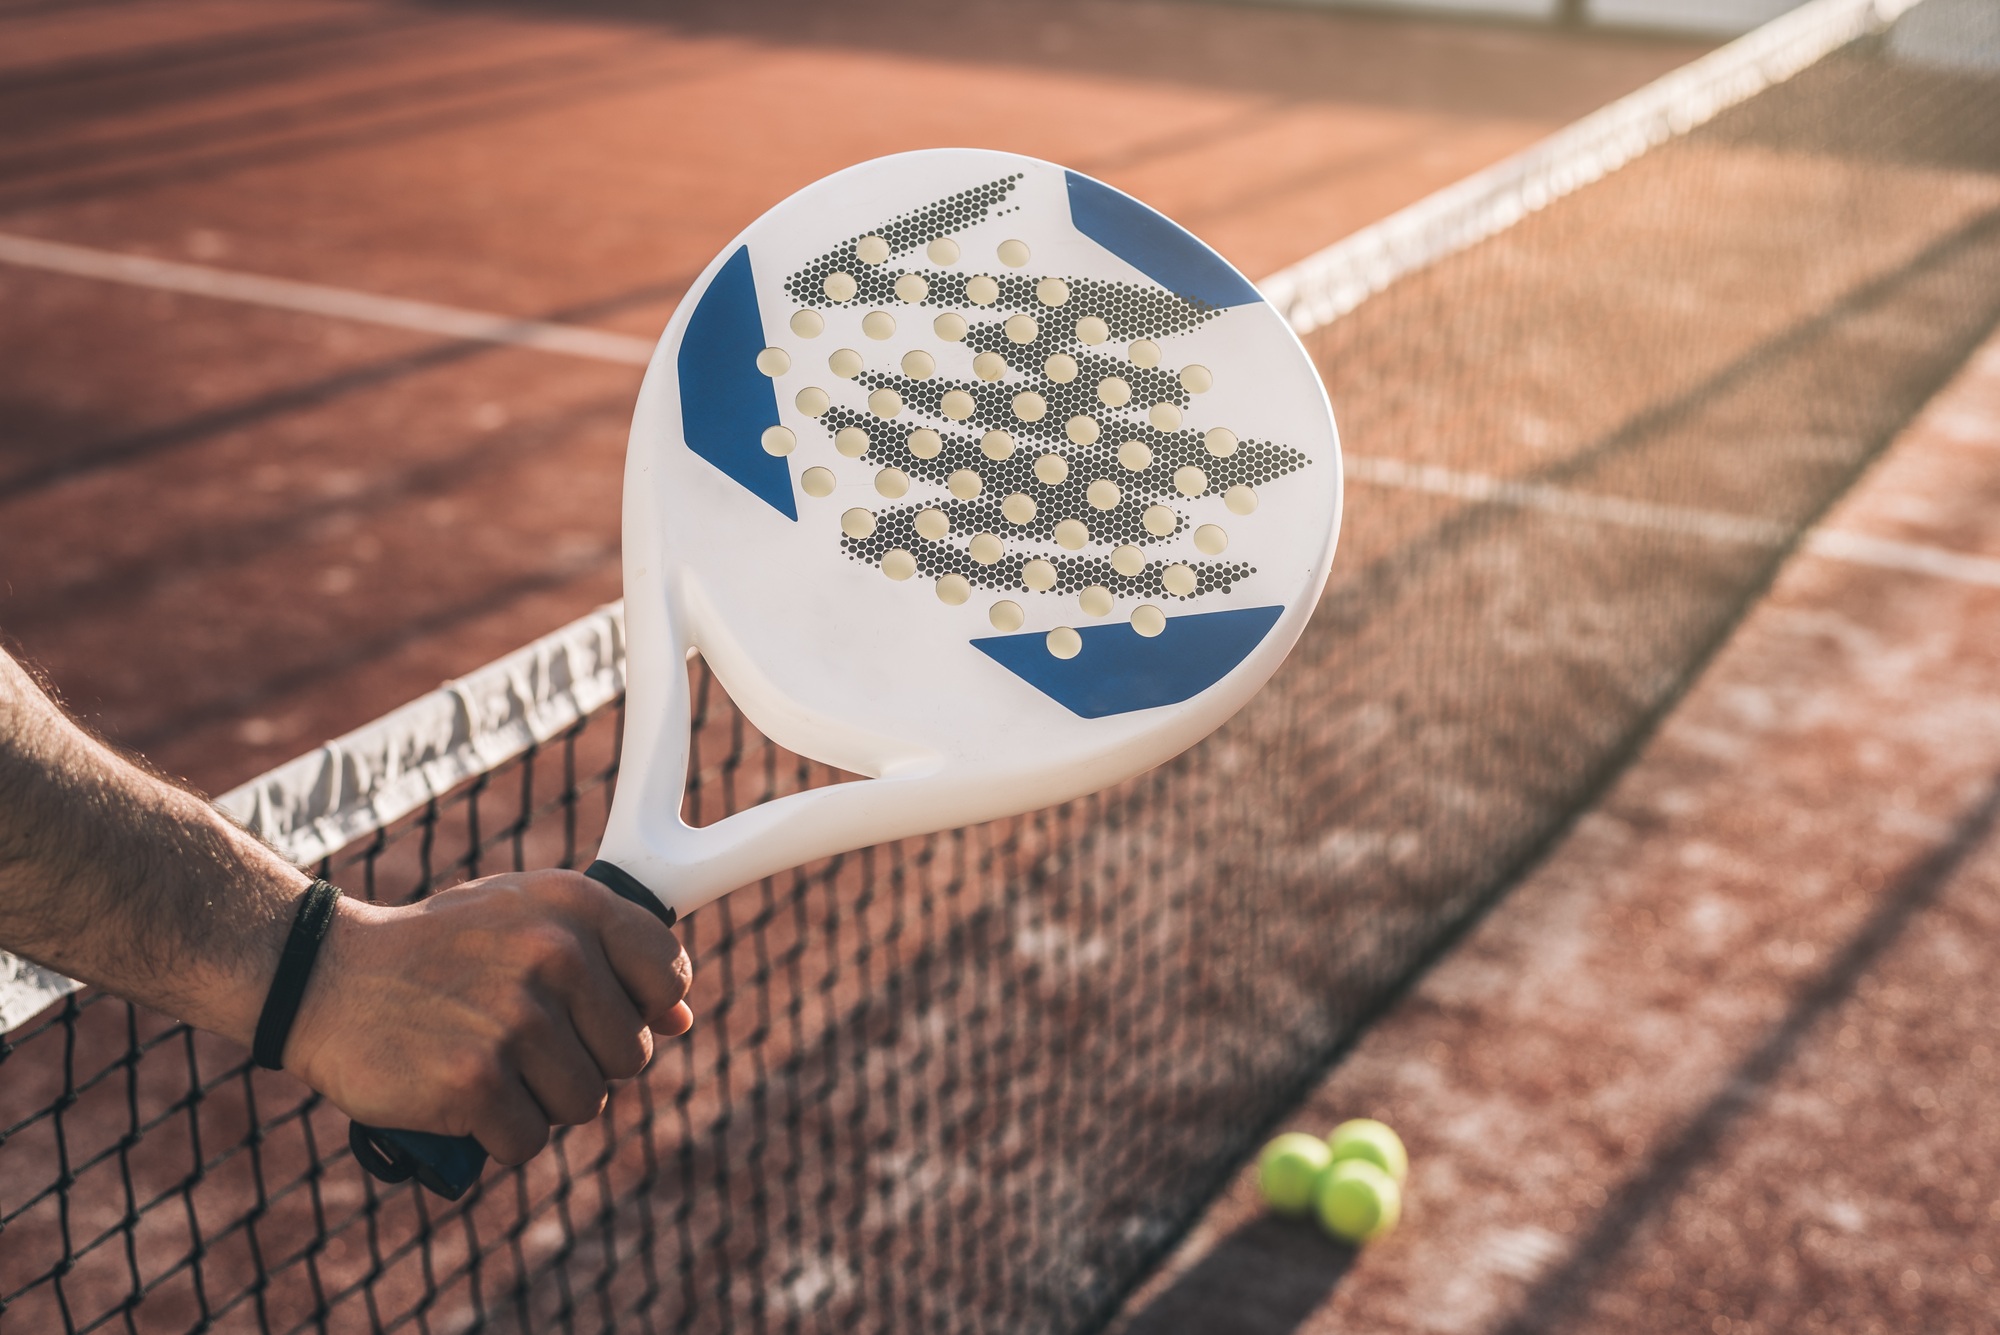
[
  {"x": 316, "y": 299},
  {"x": 1827, "y": 544},
  {"x": 600, "y": 345},
  {"x": 1484, "y": 489},
  {"x": 1913, "y": 558}
]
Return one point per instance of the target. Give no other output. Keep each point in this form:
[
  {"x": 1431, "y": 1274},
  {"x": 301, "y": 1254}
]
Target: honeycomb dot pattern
[{"x": 1078, "y": 394}]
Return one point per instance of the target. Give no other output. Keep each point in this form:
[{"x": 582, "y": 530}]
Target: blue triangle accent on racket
[{"x": 1119, "y": 670}]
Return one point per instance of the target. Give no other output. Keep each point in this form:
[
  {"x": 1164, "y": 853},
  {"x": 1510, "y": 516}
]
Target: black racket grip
[{"x": 449, "y": 1165}]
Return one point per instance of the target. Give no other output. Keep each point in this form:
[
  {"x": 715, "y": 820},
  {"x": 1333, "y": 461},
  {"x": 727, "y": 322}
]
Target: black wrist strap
[{"x": 288, "y": 989}]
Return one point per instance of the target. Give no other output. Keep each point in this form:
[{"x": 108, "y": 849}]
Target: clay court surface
[{"x": 1724, "y": 1061}]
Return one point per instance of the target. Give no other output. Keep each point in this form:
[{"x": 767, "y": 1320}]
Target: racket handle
[{"x": 449, "y": 1165}]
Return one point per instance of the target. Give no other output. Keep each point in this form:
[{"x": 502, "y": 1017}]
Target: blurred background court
[{"x": 1622, "y": 829}]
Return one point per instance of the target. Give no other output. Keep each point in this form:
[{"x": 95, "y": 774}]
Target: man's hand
[{"x": 496, "y": 1009}]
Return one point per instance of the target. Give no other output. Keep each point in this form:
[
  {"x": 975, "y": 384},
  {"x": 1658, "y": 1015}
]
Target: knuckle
[
  {"x": 472, "y": 1077},
  {"x": 550, "y": 952},
  {"x": 579, "y": 1103},
  {"x": 524, "y": 1022},
  {"x": 564, "y": 889},
  {"x": 631, "y": 1057},
  {"x": 520, "y": 1143}
]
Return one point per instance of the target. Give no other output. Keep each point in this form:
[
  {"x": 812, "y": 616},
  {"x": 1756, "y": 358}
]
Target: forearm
[
  {"x": 117, "y": 878},
  {"x": 492, "y": 1009}
]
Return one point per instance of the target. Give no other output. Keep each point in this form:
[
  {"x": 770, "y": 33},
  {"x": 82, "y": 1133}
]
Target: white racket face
[{"x": 971, "y": 474}]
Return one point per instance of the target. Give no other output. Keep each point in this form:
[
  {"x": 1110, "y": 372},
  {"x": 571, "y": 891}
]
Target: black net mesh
[{"x": 980, "y": 1081}]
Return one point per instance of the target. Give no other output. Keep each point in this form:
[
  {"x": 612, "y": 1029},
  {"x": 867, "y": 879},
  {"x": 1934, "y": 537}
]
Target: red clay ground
[
  {"x": 1657, "y": 1091},
  {"x": 227, "y": 533}
]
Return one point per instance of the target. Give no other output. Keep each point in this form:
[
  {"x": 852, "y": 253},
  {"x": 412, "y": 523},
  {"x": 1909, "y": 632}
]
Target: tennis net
[{"x": 982, "y": 1081}]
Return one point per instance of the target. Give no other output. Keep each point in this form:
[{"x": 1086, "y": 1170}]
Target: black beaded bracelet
[{"x": 288, "y": 988}]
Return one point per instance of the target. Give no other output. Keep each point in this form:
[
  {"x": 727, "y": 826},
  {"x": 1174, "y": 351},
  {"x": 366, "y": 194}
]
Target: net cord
[{"x": 1321, "y": 288}]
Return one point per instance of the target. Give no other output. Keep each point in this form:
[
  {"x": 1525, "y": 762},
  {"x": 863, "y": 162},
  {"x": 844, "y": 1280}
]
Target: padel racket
[{"x": 965, "y": 473}]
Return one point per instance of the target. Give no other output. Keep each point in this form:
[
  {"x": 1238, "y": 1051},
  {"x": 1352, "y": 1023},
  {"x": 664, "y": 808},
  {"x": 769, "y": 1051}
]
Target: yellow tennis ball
[
  {"x": 1366, "y": 1138},
  {"x": 1357, "y": 1201},
  {"x": 1289, "y": 1170}
]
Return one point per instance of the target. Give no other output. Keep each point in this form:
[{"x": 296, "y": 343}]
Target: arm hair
[{"x": 118, "y": 878}]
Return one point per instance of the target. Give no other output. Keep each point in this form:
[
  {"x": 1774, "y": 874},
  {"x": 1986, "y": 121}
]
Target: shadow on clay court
[
  {"x": 1270, "y": 1275},
  {"x": 1254, "y": 49},
  {"x": 1560, "y": 1295},
  {"x": 1266, "y": 1278}
]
